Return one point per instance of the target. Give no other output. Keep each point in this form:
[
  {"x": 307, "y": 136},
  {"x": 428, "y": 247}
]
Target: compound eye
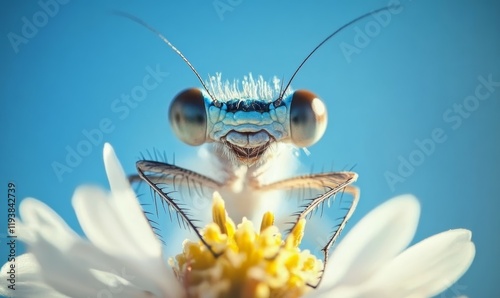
[
  {"x": 308, "y": 118},
  {"x": 188, "y": 117}
]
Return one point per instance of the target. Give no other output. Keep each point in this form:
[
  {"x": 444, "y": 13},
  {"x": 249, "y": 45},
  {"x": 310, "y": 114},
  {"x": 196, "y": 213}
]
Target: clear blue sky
[{"x": 389, "y": 86}]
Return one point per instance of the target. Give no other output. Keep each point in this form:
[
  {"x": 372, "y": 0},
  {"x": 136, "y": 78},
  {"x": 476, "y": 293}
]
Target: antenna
[
  {"x": 278, "y": 101},
  {"x": 143, "y": 23}
]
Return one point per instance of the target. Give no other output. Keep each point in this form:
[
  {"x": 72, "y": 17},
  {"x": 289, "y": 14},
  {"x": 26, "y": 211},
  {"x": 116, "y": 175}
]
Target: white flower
[
  {"x": 371, "y": 261},
  {"x": 121, "y": 256}
]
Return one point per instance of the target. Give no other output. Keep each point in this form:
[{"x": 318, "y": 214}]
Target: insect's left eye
[
  {"x": 308, "y": 118},
  {"x": 188, "y": 117}
]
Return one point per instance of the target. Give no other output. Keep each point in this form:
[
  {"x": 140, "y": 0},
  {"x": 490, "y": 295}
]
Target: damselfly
[{"x": 245, "y": 128}]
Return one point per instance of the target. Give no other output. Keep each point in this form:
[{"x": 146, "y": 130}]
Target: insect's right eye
[
  {"x": 188, "y": 117},
  {"x": 308, "y": 118}
]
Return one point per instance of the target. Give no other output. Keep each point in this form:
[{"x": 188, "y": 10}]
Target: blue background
[{"x": 382, "y": 98}]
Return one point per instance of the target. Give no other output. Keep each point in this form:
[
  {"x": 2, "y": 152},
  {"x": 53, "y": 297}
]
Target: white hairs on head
[{"x": 248, "y": 88}]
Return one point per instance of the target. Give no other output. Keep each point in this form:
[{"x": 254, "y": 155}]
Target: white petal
[
  {"x": 103, "y": 225},
  {"x": 116, "y": 224},
  {"x": 344, "y": 292},
  {"x": 114, "y": 171},
  {"x": 130, "y": 214},
  {"x": 53, "y": 240},
  {"x": 377, "y": 238},
  {"x": 85, "y": 271},
  {"x": 38, "y": 217},
  {"x": 429, "y": 267},
  {"x": 68, "y": 263},
  {"x": 123, "y": 257},
  {"x": 28, "y": 282}
]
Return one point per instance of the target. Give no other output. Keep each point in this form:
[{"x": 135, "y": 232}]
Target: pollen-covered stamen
[
  {"x": 250, "y": 263},
  {"x": 219, "y": 213},
  {"x": 267, "y": 221},
  {"x": 297, "y": 233}
]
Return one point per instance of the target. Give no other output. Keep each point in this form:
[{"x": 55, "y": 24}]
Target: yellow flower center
[{"x": 249, "y": 263}]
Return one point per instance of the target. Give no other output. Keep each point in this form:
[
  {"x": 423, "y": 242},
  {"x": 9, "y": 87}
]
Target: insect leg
[
  {"x": 167, "y": 174},
  {"x": 334, "y": 183},
  {"x": 157, "y": 174},
  {"x": 332, "y": 180}
]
